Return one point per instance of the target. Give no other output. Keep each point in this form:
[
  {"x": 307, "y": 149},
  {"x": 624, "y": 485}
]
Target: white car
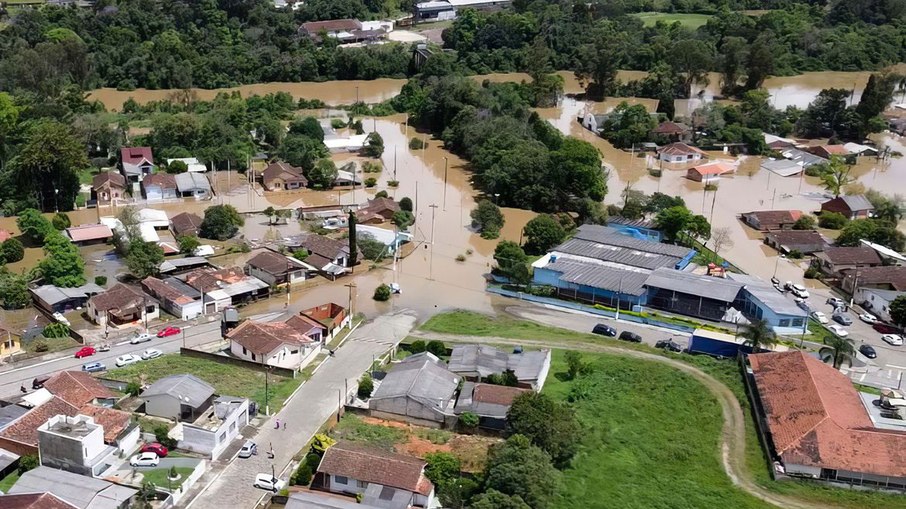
[
  {"x": 802, "y": 303},
  {"x": 268, "y": 482},
  {"x": 145, "y": 459},
  {"x": 838, "y": 330},
  {"x": 151, "y": 353},
  {"x": 868, "y": 318},
  {"x": 141, "y": 338},
  {"x": 819, "y": 317},
  {"x": 799, "y": 291},
  {"x": 62, "y": 319},
  {"x": 893, "y": 339},
  {"x": 127, "y": 360}
]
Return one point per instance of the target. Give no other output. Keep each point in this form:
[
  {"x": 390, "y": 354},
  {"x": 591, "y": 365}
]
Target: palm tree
[
  {"x": 838, "y": 350},
  {"x": 759, "y": 336}
]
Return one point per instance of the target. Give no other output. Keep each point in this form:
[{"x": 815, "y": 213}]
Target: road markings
[{"x": 895, "y": 366}]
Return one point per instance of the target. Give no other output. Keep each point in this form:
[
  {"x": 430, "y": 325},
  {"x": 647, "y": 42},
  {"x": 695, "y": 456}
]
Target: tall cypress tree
[{"x": 353, "y": 248}]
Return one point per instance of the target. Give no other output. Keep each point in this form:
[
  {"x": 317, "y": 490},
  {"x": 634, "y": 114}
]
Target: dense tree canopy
[{"x": 220, "y": 222}]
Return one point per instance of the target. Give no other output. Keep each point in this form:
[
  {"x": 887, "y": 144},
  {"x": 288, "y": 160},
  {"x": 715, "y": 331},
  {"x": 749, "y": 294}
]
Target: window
[
  {"x": 149, "y": 309},
  {"x": 785, "y": 322},
  {"x": 222, "y": 437},
  {"x": 253, "y": 357},
  {"x": 797, "y": 322},
  {"x": 244, "y": 351},
  {"x": 387, "y": 493},
  {"x": 294, "y": 351},
  {"x": 361, "y": 484},
  {"x": 339, "y": 479}
]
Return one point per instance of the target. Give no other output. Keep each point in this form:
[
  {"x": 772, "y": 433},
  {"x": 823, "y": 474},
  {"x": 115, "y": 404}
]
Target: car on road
[
  {"x": 248, "y": 450},
  {"x": 94, "y": 367},
  {"x": 168, "y": 331},
  {"x": 268, "y": 482},
  {"x": 883, "y": 328},
  {"x": 604, "y": 330},
  {"x": 799, "y": 291},
  {"x": 893, "y": 339},
  {"x": 835, "y": 302},
  {"x": 779, "y": 288},
  {"x": 104, "y": 347},
  {"x": 868, "y": 351},
  {"x": 156, "y": 448},
  {"x": 140, "y": 338},
  {"x": 145, "y": 459},
  {"x": 151, "y": 353},
  {"x": 819, "y": 317},
  {"x": 85, "y": 351},
  {"x": 127, "y": 360},
  {"x": 669, "y": 345},
  {"x": 843, "y": 319},
  {"x": 803, "y": 304},
  {"x": 630, "y": 336},
  {"x": 840, "y": 331},
  {"x": 868, "y": 318}
]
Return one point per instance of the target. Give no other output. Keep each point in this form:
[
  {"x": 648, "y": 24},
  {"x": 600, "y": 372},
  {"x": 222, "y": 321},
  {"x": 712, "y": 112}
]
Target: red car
[
  {"x": 85, "y": 351},
  {"x": 156, "y": 448},
  {"x": 169, "y": 331}
]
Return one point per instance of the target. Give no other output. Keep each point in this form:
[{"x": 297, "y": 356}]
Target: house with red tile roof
[
  {"x": 489, "y": 402},
  {"x": 816, "y": 427},
  {"x": 826, "y": 151},
  {"x": 35, "y": 501},
  {"x": 331, "y": 315},
  {"x": 764, "y": 220},
  {"x": 709, "y": 172},
  {"x": 21, "y": 437},
  {"x": 122, "y": 305},
  {"x": 380, "y": 478},
  {"x": 136, "y": 163},
  {"x": 159, "y": 186},
  {"x": 79, "y": 388},
  {"x": 680, "y": 153},
  {"x": 273, "y": 344},
  {"x": 88, "y": 234},
  {"x": 108, "y": 186},
  {"x": 673, "y": 131}
]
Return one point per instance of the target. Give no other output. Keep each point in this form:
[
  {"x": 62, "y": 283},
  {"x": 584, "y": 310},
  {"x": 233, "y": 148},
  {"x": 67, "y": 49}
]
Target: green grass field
[
  {"x": 159, "y": 477},
  {"x": 227, "y": 379},
  {"x": 690, "y": 21},
  {"x": 352, "y": 428},
  {"x": 7, "y": 482}
]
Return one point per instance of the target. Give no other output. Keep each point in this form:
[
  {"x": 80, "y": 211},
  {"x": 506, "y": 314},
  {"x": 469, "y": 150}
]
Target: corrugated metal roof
[
  {"x": 483, "y": 359},
  {"x": 79, "y": 490},
  {"x": 617, "y": 254},
  {"x": 693, "y": 284},
  {"x": 599, "y": 276},
  {"x": 189, "y": 389},
  {"x": 613, "y": 237},
  {"x": 420, "y": 377}
]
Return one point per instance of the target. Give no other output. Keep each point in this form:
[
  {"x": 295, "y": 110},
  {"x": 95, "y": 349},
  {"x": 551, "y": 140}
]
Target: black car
[
  {"x": 868, "y": 351},
  {"x": 604, "y": 330},
  {"x": 630, "y": 336},
  {"x": 669, "y": 345}
]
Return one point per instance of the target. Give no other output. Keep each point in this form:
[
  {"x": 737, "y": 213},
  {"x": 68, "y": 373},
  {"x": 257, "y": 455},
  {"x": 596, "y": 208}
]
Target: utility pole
[
  {"x": 445, "y": 183},
  {"x": 351, "y": 287},
  {"x": 415, "y": 211},
  {"x": 433, "y": 210},
  {"x": 431, "y": 258}
]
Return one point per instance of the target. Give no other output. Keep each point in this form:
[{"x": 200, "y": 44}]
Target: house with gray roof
[
  {"x": 477, "y": 362},
  {"x": 489, "y": 402},
  {"x": 56, "y": 299},
  {"x": 81, "y": 491},
  {"x": 419, "y": 389},
  {"x": 193, "y": 185},
  {"x": 759, "y": 300},
  {"x": 179, "y": 397},
  {"x": 691, "y": 294},
  {"x": 854, "y": 206}
]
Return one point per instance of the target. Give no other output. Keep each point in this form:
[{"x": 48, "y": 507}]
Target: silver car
[
  {"x": 248, "y": 450},
  {"x": 141, "y": 338}
]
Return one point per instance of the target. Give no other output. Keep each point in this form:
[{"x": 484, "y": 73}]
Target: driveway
[{"x": 305, "y": 413}]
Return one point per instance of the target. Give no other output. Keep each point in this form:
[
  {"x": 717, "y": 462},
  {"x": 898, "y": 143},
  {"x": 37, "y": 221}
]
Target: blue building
[
  {"x": 760, "y": 301},
  {"x": 641, "y": 229}
]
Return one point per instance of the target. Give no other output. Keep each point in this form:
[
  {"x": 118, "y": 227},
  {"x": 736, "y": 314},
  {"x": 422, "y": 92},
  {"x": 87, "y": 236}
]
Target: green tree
[
  {"x": 220, "y": 222},
  {"x": 13, "y": 290},
  {"x": 692, "y": 58},
  {"x": 436, "y": 347},
  {"x": 733, "y": 54},
  {"x": 11, "y": 251},
  {"x": 832, "y": 220},
  {"x": 47, "y": 164},
  {"x": 302, "y": 151},
  {"x": 530, "y": 416},
  {"x": 177, "y": 167},
  {"x": 542, "y": 233},
  {"x": 28, "y": 462},
  {"x": 270, "y": 212},
  {"x": 55, "y": 330},
  {"x": 144, "y": 259},
  {"x": 372, "y": 249},
  {"x": 573, "y": 364},
  {"x": 323, "y": 174},
  {"x": 837, "y": 176},
  {"x": 628, "y": 125},
  {"x": 805, "y": 222},
  {"x": 872, "y": 230},
  {"x": 488, "y": 218},
  {"x": 469, "y": 420},
  {"x": 353, "y": 245},
  {"x": 60, "y": 221},
  {"x": 366, "y": 387},
  {"x": 63, "y": 265},
  {"x": 512, "y": 262},
  {"x": 188, "y": 244},
  {"x": 876, "y": 96},
  {"x": 308, "y": 127},
  {"x": 402, "y": 219},
  {"x": 837, "y": 350},
  {"x": 34, "y": 226},
  {"x": 518, "y": 468},
  {"x": 406, "y": 204},
  {"x": 759, "y": 336},
  {"x": 382, "y": 293},
  {"x": 443, "y": 467},
  {"x": 374, "y": 145},
  {"x": 673, "y": 221},
  {"x": 493, "y": 499},
  {"x": 897, "y": 311},
  {"x": 760, "y": 61},
  {"x": 597, "y": 69}
]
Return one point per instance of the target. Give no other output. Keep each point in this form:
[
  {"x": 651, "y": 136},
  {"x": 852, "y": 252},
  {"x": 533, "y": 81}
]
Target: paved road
[
  {"x": 311, "y": 406},
  {"x": 16, "y": 374}
]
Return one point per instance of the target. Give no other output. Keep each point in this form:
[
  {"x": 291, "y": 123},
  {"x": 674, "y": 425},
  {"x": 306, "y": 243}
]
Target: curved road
[{"x": 733, "y": 435}]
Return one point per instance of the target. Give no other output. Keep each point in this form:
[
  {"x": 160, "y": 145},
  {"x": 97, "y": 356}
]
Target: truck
[{"x": 716, "y": 344}]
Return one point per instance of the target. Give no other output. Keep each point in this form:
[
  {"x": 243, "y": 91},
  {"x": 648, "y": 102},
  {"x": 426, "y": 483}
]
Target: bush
[
  {"x": 337, "y": 123},
  {"x": 173, "y": 474},
  {"x": 393, "y": 183},
  {"x": 418, "y": 346},
  {"x": 133, "y": 388},
  {"x": 371, "y": 167},
  {"x": 40, "y": 346},
  {"x": 832, "y": 220},
  {"x": 60, "y": 221},
  {"x": 442, "y": 468},
  {"x": 416, "y": 144},
  {"x": 406, "y": 204},
  {"x": 188, "y": 244},
  {"x": 795, "y": 254},
  {"x": 27, "y": 462},
  {"x": 468, "y": 420},
  {"x": 382, "y": 293},
  {"x": 11, "y": 251},
  {"x": 313, "y": 460},
  {"x": 55, "y": 330},
  {"x": 381, "y": 194},
  {"x": 321, "y": 443},
  {"x": 710, "y": 187},
  {"x": 100, "y": 280},
  {"x": 370, "y": 182},
  {"x": 805, "y": 222},
  {"x": 436, "y": 347},
  {"x": 811, "y": 273},
  {"x": 460, "y": 258},
  {"x": 302, "y": 475},
  {"x": 366, "y": 386},
  {"x": 162, "y": 437}
]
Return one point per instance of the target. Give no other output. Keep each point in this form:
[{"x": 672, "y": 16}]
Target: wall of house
[
  {"x": 153, "y": 193},
  {"x": 188, "y": 311},
  {"x": 126, "y": 443},
  {"x": 162, "y": 405},
  {"x": 351, "y": 486},
  {"x": 267, "y": 277},
  {"x": 407, "y": 407},
  {"x": 70, "y": 453},
  {"x": 214, "y": 442},
  {"x": 18, "y": 447},
  {"x": 781, "y": 323},
  {"x": 801, "y": 470},
  {"x": 880, "y": 307},
  {"x": 542, "y": 376}
]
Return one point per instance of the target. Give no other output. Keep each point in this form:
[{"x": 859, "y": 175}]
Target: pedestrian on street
[
  {"x": 277, "y": 424},
  {"x": 284, "y": 424}
]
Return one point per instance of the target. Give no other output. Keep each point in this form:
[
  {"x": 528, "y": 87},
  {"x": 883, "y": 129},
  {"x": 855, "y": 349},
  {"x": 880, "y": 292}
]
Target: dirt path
[{"x": 733, "y": 435}]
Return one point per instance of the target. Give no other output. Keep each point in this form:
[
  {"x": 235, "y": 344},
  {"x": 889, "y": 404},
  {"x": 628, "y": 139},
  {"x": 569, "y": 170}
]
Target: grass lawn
[
  {"x": 353, "y": 428},
  {"x": 53, "y": 344},
  {"x": 690, "y": 21},
  {"x": 227, "y": 379},
  {"x": 7, "y": 482},
  {"x": 159, "y": 477}
]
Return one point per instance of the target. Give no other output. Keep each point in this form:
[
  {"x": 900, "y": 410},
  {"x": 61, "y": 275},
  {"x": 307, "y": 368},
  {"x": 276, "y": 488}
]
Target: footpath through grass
[{"x": 226, "y": 379}]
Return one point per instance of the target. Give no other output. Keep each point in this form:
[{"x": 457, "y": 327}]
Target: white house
[
  {"x": 75, "y": 444},
  {"x": 214, "y": 431},
  {"x": 275, "y": 344},
  {"x": 176, "y": 297},
  {"x": 159, "y": 186},
  {"x": 679, "y": 153},
  {"x": 274, "y": 268},
  {"x": 380, "y": 478},
  {"x": 876, "y": 301}
]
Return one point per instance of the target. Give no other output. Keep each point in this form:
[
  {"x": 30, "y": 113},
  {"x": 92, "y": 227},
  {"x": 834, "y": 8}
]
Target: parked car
[
  {"x": 127, "y": 360},
  {"x": 85, "y": 351},
  {"x": 893, "y": 339},
  {"x": 803, "y": 304},
  {"x": 141, "y": 338},
  {"x": 868, "y": 318},
  {"x": 883, "y": 328},
  {"x": 268, "y": 482},
  {"x": 248, "y": 450},
  {"x": 669, "y": 345},
  {"x": 168, "y": 331},
  {"x": 630, "y": 336},
  {"x": 145, "y": 459},
  {"x": 779, "y": 288},
  {"x": 604, "y": 330},
  {"x": 60, "y": 318},
  {"x": 94, "y": 367},
  {"x": 840, "y": 331},
  {"x": 843, "y": 319},
  {"x": 104, "y": 347},
  {"x": 151, "y": 353},
  {"x": 868, "y": 351},
  {"x": 819, "y": 316},
  {"x": 799, "y": 291},
  {"x": 835, "y": 302},
  {"x": 156, "y": 448}
]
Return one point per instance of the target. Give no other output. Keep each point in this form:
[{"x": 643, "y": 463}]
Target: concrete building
[
  {"x": 332, "y": 316},
  {"x": 854, "y": 206},
  {"x": 75, "y": 444},
  {"x": 758, "y": 300},
  {"x": 477, "y": 362},
  {"x": 175, "y": 297},
  {"x": 489, "y": 402},
  {"x": 185, "y": 224},
  {"x": 834, "y": 260},
  {"x": 108, "y": 186},
  {"x": 225, "y": 287},
  {"x": 213, "y": 432},
  {"x": 876, "y": 301},
  {"x": 78, "y": 490},
  {"x": 281, "y": 176},
  {"x": 379, "y": 477},
  {"x": 178, "y": 397},
  {"x": 159, "y": 186},
  {"x": 274, "y": 344},
  {"x": 276, "y": 269},
  {"x": 782, "y": 167},
  {"x": 691, "y": 294},
  {"x": 193, "y": 185},
  {"x": 879, "y": 278},
  {"x": 418, "y": 389},
  {"x": 765, "y": 220},
  {"x": 136, "y": 163},
  {"x": 680, "y": 153},
  {"x": 21, "y": 436}
]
